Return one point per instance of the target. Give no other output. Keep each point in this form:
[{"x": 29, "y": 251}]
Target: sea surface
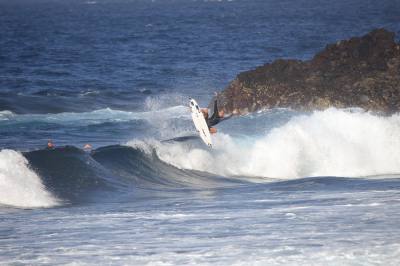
[{"x": 279, "y": 187}]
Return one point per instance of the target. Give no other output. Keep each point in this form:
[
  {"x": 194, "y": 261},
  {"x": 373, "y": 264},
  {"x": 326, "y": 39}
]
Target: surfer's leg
[{"x": 213, "y": 130}]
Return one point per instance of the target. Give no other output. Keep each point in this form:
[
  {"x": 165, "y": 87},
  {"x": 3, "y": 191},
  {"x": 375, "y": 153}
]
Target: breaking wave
[
  {"x": 333, "y": 142},
  {"x": 20, "y": 186}
]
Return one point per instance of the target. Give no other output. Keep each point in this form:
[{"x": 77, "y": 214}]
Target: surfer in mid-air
[{"x": 215, "y": 118}]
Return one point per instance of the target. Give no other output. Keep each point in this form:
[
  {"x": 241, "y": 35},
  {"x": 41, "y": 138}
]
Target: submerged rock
[{"x": 359, "y": 72}]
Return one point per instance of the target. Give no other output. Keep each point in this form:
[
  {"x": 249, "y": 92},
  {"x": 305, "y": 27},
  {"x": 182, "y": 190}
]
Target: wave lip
[{"x": 20, "y": 186}]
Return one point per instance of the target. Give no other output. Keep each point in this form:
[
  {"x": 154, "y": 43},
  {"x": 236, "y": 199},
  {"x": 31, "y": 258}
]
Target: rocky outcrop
[{"x": 359, "y": 72}]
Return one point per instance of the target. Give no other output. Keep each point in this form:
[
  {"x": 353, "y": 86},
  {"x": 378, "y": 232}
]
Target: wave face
[
  {"x": 349, "y": 143},
  {"x": 20, "y": 186},
  {"x": 69, "y": 175},
  {"x": 144, "y": 169}
]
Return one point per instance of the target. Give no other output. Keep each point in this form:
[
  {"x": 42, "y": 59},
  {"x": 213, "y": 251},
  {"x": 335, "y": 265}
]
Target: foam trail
[
  {"x": 325, "y": 143},
  {"x": 19, "y": 185}
]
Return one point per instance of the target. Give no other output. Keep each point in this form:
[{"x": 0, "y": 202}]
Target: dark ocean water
[
  {"x": 278, "y": 188},
  {"x": 74, "y": 56}
]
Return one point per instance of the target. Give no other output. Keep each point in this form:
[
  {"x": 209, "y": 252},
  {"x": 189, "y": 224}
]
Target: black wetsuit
[{"x": 215, "y": 118}]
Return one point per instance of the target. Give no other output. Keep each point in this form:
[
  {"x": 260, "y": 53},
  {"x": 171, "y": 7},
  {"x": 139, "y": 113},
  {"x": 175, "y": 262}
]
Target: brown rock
[{"x": 359, "y": 72}]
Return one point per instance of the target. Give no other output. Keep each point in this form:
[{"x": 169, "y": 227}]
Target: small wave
[
  {"x": 97, "y": 116},
  {"x": 6, "y": 115},
  {"x": 51, "y": 93},
  {"x": 89, "y": 93},
  {"x": 20, "y": 186},
  {"x": 145, "y": 91}
]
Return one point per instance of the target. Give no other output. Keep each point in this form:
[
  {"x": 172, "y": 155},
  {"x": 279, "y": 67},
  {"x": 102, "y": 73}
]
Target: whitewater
[
  {"x": 332, "y": 142},
  {"x": 279, "y": 187}
]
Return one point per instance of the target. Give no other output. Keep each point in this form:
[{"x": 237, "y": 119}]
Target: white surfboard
[{"x": 200, "y": 122}]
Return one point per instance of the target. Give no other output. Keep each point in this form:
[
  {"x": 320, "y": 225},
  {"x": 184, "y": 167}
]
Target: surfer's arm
[
  {"x": 215, "y": 113},
  {"x": 226, "y": 117}
]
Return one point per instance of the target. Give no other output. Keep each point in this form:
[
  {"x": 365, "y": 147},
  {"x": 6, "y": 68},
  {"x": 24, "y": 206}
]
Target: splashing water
[
  {"x": 332, "y": 142},
  {"x": 19, "y": 185}
]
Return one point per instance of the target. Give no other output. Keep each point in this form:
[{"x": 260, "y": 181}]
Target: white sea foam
[
  {"x": 20, "y": 186},
  {"x": 331, "y": 142},
  {"x": 6, "y": 115}
]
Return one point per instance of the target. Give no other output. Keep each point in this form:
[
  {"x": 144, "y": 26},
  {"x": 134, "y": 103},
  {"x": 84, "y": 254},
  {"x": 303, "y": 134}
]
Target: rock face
[{"x": 359, "y": 72}]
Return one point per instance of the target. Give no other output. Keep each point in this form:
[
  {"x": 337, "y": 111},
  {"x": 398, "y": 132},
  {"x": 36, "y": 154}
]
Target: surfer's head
[
  {"x": 50, "y": 144},
  {"x": 221, "y": 113},
  {"x": 87, "y": 146}
]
